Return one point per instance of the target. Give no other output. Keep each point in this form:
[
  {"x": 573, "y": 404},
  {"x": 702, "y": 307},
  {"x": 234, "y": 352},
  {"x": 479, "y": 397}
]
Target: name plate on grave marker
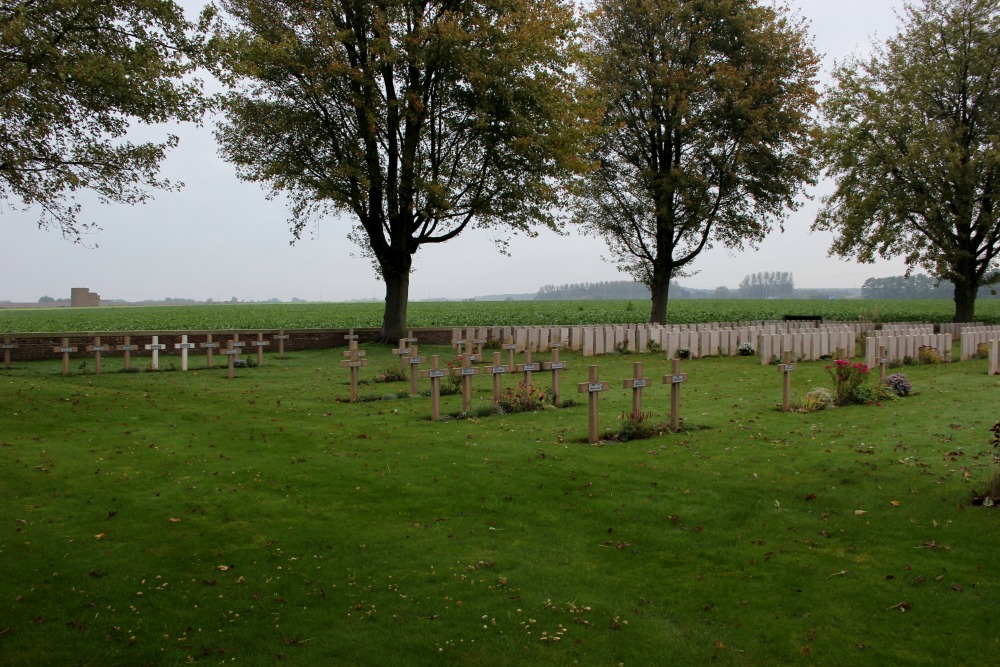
[
  {"x": 436, "y": 374},
  {"x": 260, "y": 343},
  {"x": 416, "y": 360},
  {"x": 530, "y": 367},
  {"x": 496, "y": 369},
  {"x": 787, "y": 368},
  {"x": 98, "y": 348},
  {"x": 8, "y": 346},
  {"x": 64, "y": 350},
  {"x": 469, "y": 371},
  {"x": 639, "y": 384},
  {"x": 558, "y": 366},
  {"x": 678, "y": 379},
  {"x": 128, "y": 348},
  {"x": 183, "y": 346},
  {"x": 211, "y": 345},
  {"x": 595, "y": 386}
]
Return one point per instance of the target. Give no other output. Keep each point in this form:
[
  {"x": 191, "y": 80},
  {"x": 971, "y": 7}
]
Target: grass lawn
[{"x": 167, "y": 518}]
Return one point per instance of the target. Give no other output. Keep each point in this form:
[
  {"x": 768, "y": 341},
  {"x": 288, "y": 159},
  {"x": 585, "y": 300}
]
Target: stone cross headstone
[
  {"x": 184, "y": 346},
  {"x": 479, "y": 342},
  {"x": 497, "y": 371},
  {"x": 155, "y": 346},
  {"x": 414, "y": 362},
  {"x": 7, "y": 346},
  {"x": 231, "y": 352},
  {"x": 128, "y": 348},
  {"x": 260, "y": 344},
  {"x": 355, "y": 360},
  {"x": 403, "y": 352},
  {"x": 556, "y": 366},
  {"x": 435, "y": 373},
  {"x": 65, "y": 350},
  {"x": 238, "y": 345},
  {"x": 97, "y": 349},
  {"x": 636, "y": 383},
  {"x": 528, "y": 367},
  {"x": 466, "y": 371},
  {"x": 675, "y": 380},
  {"x": 209, "y": 346},
  {"x": 882, "y": 360},
  {"x": 281, "y": 337},
  {"x": 511, "y": 348},
  {"x": 786, "y": 367},
  {"x": 593, "y": 387}
]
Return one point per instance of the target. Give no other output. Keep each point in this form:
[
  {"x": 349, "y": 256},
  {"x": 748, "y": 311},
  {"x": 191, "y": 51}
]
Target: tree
[
  {"x": 767, "y": 284},
  {"x": 707, "y": 129},
  {"x": 75, "y": 76},
  {"x": 912, "y": 143},
  {"x": 419, "y": 119}
]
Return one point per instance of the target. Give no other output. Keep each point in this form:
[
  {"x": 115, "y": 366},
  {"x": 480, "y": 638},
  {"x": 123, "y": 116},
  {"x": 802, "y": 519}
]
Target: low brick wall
[{"x": 35, "y": 346}]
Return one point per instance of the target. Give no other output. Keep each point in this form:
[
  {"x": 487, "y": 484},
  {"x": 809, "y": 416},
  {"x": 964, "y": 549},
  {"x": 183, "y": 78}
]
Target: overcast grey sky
[{"x": 220, "y": 238}]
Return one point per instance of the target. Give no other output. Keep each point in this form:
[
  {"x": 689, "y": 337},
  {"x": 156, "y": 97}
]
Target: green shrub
[
  {"x": 928, "y": 355},
  {"x": 523, "y": 398},
  {"x": 638, "y": 426}
]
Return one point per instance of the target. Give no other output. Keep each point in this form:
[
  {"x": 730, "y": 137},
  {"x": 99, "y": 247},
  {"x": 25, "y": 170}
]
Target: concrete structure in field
[{"x": 81, "y": 297}]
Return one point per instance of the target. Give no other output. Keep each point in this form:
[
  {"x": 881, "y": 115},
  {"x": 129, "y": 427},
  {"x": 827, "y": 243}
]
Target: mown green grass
[
  {"x": 262, "y": 520},
  {"x": 461, "y": 314}
]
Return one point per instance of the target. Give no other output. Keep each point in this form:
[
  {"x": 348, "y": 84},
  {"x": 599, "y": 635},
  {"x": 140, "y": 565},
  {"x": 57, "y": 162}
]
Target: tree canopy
[
  {"x": 912, "y": 141},
  {"x": 417, "y": 119},
  {"x": 75, "y": 76},
  {"x": 707, "y": 129}
]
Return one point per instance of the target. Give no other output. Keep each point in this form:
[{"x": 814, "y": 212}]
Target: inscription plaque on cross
[
  {"x": 466, "y": 371},
  {"x": 184, "y": 346},
  {"x": 497, "y": 371},
  {"x": 882, "y": 360},
  {"x": 355, "y": 360},
  {"x": 209, "y": 346},
  {"x": 155, "y": 346},
  {"x": 593, "y": 387},
  {"x": 435, "y": 373},
  {"x": 786, "y": 367},
  {"x": 675, "y": 380},
  {"x": 65, "y": 349},
  {"x": 556, "y": 366},
  {"x": 528, "y": 367},
  {"x": 97, "y": 349},
  {"x": 7, "y": 345},
  {"x": 128, "y": 348},
  {"x": 636, "y": 383}
]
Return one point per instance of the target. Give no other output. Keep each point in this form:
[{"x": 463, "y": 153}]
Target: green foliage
[
  {"x": 911, "y": 141},
  {"x": 76, "y": 77},
  {"x": 928, "y": 355},
  {"x": 705, "y": 134},
  {"x": 639, "y": 426},
  {"x": 816, "y": 399},
  {"x": 415, "y": 119},
  {"x": 221, "y": 317},
  {"x": 522, "y": 398}
]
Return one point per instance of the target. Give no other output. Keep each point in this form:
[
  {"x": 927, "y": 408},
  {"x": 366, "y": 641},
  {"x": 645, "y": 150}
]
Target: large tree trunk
[
  {"x": 659, "y": 288},
  {"x": 965, "y": 301},
  {"x": 397, "y": 294}
]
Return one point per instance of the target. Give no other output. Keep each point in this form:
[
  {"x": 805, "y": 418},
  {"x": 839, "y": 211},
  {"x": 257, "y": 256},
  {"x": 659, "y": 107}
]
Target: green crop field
[
  {"x": 164, "y": 518},
  {"x": 473, "y": 313}
]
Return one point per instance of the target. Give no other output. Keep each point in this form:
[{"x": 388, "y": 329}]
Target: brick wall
[{"x": 34, "y": 346}]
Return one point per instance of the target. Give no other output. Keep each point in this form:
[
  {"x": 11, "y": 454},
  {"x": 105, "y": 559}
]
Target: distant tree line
[
  {"x": 615, "y": 289},
  {"x": 917, "y": 286}
]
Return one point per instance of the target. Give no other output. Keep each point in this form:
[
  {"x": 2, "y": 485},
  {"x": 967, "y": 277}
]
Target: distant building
[{"x": 81, "y": 297}]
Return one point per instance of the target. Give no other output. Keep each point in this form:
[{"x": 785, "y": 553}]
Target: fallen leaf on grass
[
  {"x": 860, "y": 512},
  {"x": 894, "y": 503},
  {"x": 174, "y": 519},
  {"x": 902, "y": 606},
  {"x": 99, "y": 536}
]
